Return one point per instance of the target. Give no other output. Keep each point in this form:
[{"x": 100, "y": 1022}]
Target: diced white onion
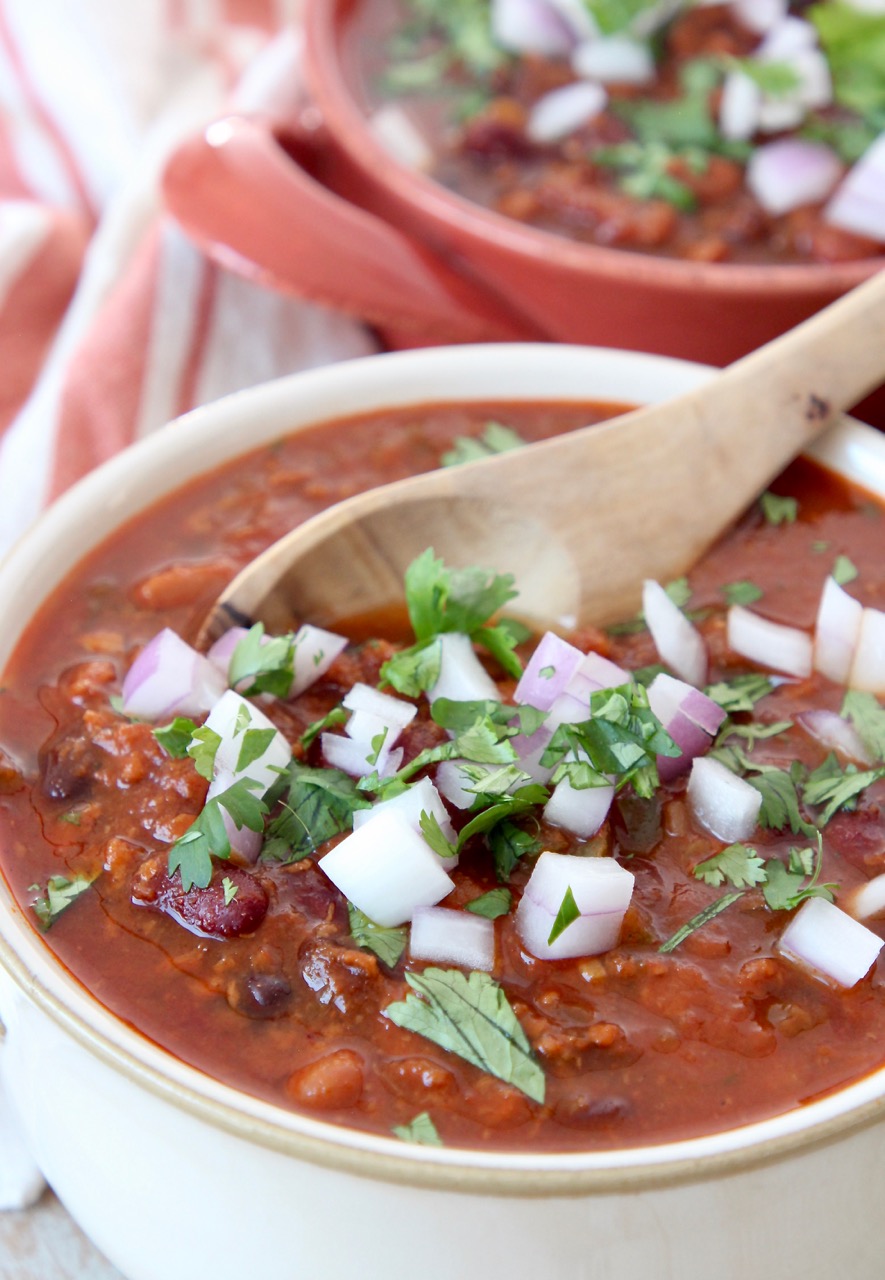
[
  {"x": 789, "y": 36},
  {"x": 447, "y": 936},
  {"x": 547, "y": 672},
  {"x": 244, "y": 842},
  {"x": 387, "y": 870},
  {"x": 678, "y": 643},
  {"x": 835, "y": 733},
  {"x": 531, "y": 26},
  {"x": 868, "y": 668},
  {"x": 462, "y": 677},
  {"x": 169, "y": 677},
  {"x": 760, "y": 15},
  {"x": 315, "y": 651},
  {"x": 372, "y": 712},
  {"x": 823, "y": 938},
  {"x": 614, "y": 60},
  {"x": 577, "y": 16},
  {"x": 231, "y": 718},
  {"x": 770, "y": 644},
  {"x": 859, "y": 202},
  {"x": 835, "y": 632},
  {"x": 739, "y": 106},
  {"x": 359, "y": 758},
  {"x": 580, "y": 810},
  {"x": 562, "y": 111},
  {"x": 453, "y": 783},
  {"x": 421, "y": 797},
  {"x": 792, "y": 172},
  {"x": 725, "y": 804},
  {"x": 402, "y": 137},
  {"x": 867, "y": 900},
  {"x": 602, "y": 890}
]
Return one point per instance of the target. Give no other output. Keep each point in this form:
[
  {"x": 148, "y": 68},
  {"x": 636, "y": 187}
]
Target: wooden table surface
[{"x": 43, "y": 1243}]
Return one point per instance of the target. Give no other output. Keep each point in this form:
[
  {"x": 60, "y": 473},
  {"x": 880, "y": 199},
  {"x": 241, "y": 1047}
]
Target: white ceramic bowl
[{"x": 176, "y": 1177}]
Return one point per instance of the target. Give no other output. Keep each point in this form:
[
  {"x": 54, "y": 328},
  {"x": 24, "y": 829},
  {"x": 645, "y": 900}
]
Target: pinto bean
[{"x": 328, "y": 1084}]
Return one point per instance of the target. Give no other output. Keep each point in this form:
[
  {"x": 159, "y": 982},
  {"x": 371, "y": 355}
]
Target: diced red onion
[
  {"x": 387, "y": 870},
  {"x": 725, "y": 804},
  {"x": 315, "y": 651},
  {"x": 564, "y": 110},
  {"x": 244, "y": 842},
  {"x": 867, "y": 901},
  {"x": 770, "y": 644},
  {"x": 231, "y": 717},
  {"x": 169, "y": 677},
  {"x": 760, "y": 15},
  {"x": 399, "y": 135},
  {"x": 580, "y": 810},
  {"x": 868, "y": 668},
  {"x": 836, "y": 630},
  {"x": 678, "y": 643},
  {"x": 531, "y": 26},
  {"x": 786, "y": 38},
  {"x": 359, "y": 758},
  {"x": 577, "y": 16},
  {"x": 791, "y": 172},
  {"x": 859, "y": 202},
  {"x": 421, "y": 797},
  {"x": 739, "y": 107},
  {"x": 594, "y": 672},
  {"x": 835, "y": 733},
  {"x": 222, "y": 650},
  {"x": 690, "y": 718},
  {"x": 547, "y": 672},
  {"x": 602, "y": 890},
  {"x": 462, "y": 677},
  {"x": 614, "y": 60},
  {"x": 447, "y": 936},
  {"x": 823, "y": 938}
]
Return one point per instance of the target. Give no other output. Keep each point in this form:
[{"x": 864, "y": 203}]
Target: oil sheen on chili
[{"x": 263, "y": 980}]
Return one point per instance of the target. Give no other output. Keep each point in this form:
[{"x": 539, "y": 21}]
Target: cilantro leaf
[
  {"x": 175, "y": 738},
  {"x": 203, "y": 749},
  {"x": 853, "y": 40},
  {"x": 59, "y": 893},
  {"x": 414, "y": 670},
  {"x": 316, "y": 804},
  {"x": 230, "y": 890},
  {"x": 868, "y": 717},
  {"x": 777, "y": 509},
  {"x": 738, "y": 864},
  {"x": 836, "y": 788},
  {"x": 740, "y": 693},
  {"x": 206, "y": 838},
  {"x": 508, "y": 843},
  {"x": 743, "y": 592},
  {"x": 780, "y": 798},
  {"x": 495, "y": 438},
  {"x": 491, "y": 905},
  {"x": 523, "y": 800},
  {"x": 433, "y": 834},
  {"x": 421, "y": 1130},
  {"x": 330, "y": 720},
  {"x": 844, "y": 570},
  {"x": 567, "y": 914},
  {"x": 263, "y": 665},
  {"x": 388, "y": 943},
  {"x": 708, "y": 913},
  {"x": 470, "y": 1016},
  {"x": 785, "y": 886},
  {"x": 253, "y": 746}
]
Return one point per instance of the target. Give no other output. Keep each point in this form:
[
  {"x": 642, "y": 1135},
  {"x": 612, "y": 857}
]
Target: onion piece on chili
[
  {"x": 831, "y": 943},
  {"x": 760, "y": 15},
  {"x": 868, "y": 667},
  {"x": 359, "y": 758},
  {"x": 564, "y": 110},
  {"x": 399, "y": 135},
  {"x": 244, "y": 842},
  {"x": 770, "y": 644},
  {"x": 387, "y": 870},
  {"x": 594, "y": 672},
  {"x": 547, "y": 672},
  {"x": 453, "y": 782},
  {"x": 374, "y": 712},
  {"x": 867, "y": 900},
  {"x": 725, "y": 804},
  {"x": 232, "y": 718},
  {"x": 791, "y": 172},
  {"x": 581, "y": 810},
  {"x": 739, "y": 107},
  {"x": 601, "y": 889},
  {"x": 616, "y": 59},
  {"x": 835, "y": 733},
  {"x": 531, "y": 26},
  {"x": 169, "y": 677},
  {"x": 315, "y": 651},
  {"x": 689, "y": 716},
  {"x": 462, "y": 677},
  {"x": 447, "y": 936},
  {"x": 835, "y": 632},
  {"x": 421, "y": 797},
  {"x": 678, "y": 642},
  {"x": 858, "y": 204}
]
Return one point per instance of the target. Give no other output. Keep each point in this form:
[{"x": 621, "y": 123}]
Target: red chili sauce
[
  {"x": 652, "y": 171},
  {"x": 636, "y": 1045}
]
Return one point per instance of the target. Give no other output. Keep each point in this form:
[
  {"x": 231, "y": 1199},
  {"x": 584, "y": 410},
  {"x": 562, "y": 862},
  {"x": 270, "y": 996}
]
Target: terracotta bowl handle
[{"x": 253, "y": 205}]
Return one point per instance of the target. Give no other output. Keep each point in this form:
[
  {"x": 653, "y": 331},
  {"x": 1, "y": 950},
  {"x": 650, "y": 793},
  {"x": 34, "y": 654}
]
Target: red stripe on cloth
[
  {"x": 12, "y": 183},
  {"x": 33, "y": 308},
  {"x": 188, "y": 398},
  {"x": 102, "y": 391},
  {"x": 41, "y": 117}
]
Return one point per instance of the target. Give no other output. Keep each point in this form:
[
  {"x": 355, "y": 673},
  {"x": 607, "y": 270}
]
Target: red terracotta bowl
[{"x": 316, "y": 205}]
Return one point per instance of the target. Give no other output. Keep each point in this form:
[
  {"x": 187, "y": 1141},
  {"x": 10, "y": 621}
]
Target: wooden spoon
[{"x": 581, "y": 520}]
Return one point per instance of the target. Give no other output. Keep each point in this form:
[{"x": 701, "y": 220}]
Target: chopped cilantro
[
  {"x": 315, "y": 804},
  {"x": 470, "y": 1016},
  {"x": 509, "y": 843},
  {"x": 495, "y": 438},
  {"x": 175, "y": 738},
  {"x": 777, "y": 509},
  {"x": 230, "y": 890},
  {"x": 202, "y": 749},
  {"x": 868, "y": 717},
  {"x": 708, "y": 913},
  {"x": 206, "y": 838},
  {"x": 253, "y": 746},
  {"x": 743, "y": 592},
  {"x": 836, "y": 788},
  {"x": 775, "y": 79},
  {"x": 491, "y": 905},
  {"x": 844, "y": 570},
  {"x": 853, "y": 40},
  {"x": 421, "y": 1130},
  {"x": 741, "y": 693},
  {"x": 59, "y": 893},
  {"x": 737, "y": 864},
  {"x": 330, "y": 720},
  {"x": 433, "y": 834},
  {"x": 567, "y": 914},
  {"x": 263, "y": 665},
  {"x": 388, "y": 943}
]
